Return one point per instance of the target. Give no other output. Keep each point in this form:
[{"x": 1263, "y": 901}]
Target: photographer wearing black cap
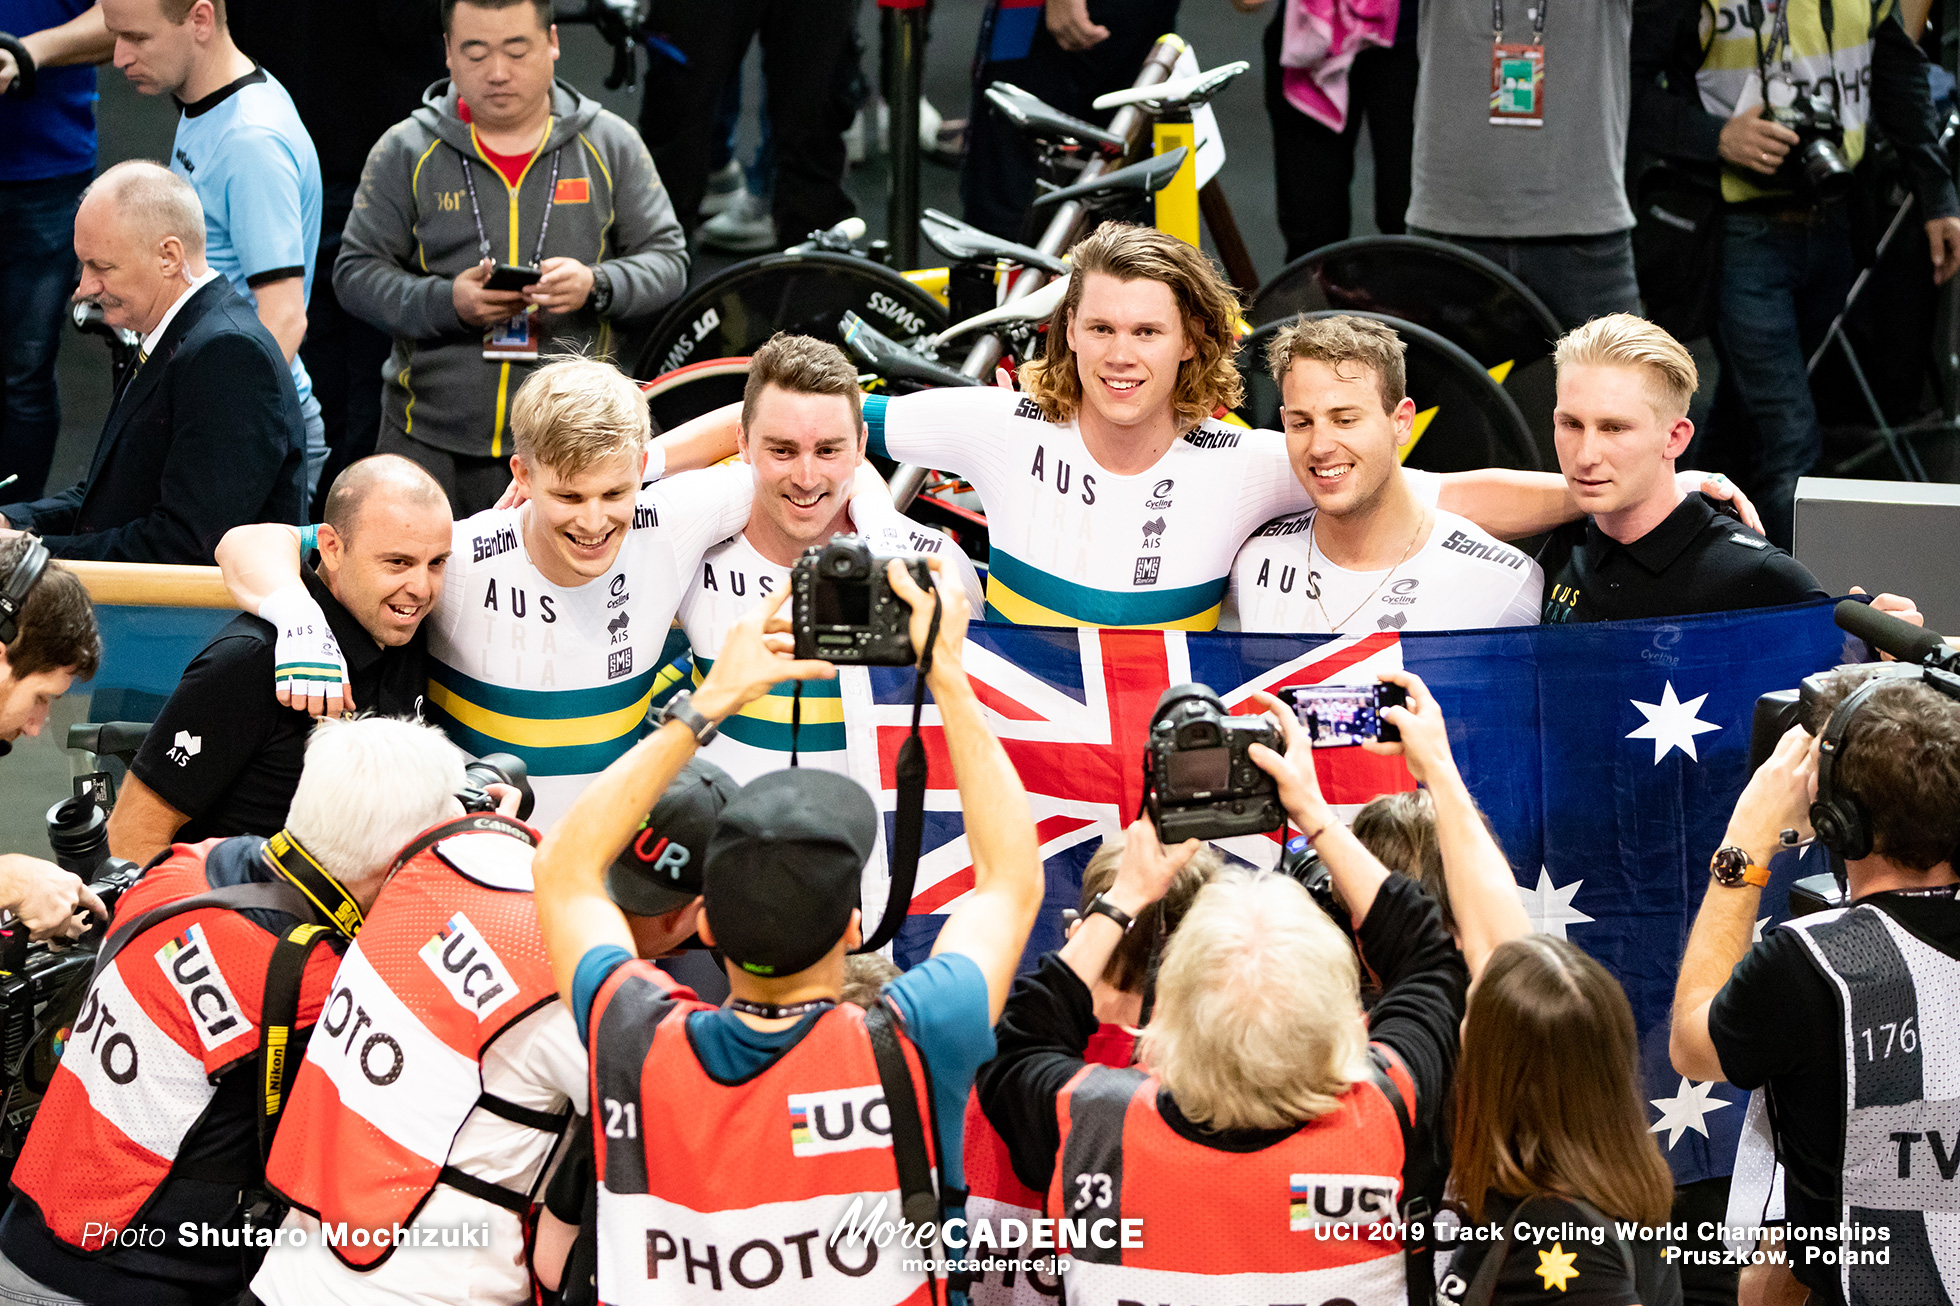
[
  {"x": 1848, "y": 1006},
  {"x": 702, "y": 1180}
]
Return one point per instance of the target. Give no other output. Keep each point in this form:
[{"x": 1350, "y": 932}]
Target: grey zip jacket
[{"x": 413, "y": 230}]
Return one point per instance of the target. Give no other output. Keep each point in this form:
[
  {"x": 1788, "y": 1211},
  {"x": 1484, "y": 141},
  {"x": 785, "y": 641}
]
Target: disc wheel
[
  {"x": 735, "y": 311},
  {"x": 689, "y": 392}
]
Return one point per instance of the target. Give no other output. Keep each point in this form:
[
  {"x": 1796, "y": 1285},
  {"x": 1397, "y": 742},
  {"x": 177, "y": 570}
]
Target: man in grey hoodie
[{"x": 501, "y": 164}]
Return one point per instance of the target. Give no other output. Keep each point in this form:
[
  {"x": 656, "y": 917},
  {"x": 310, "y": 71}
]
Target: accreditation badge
[
  {"x": 514, "y": 340},
  {"x": 1517, "y": 85}
]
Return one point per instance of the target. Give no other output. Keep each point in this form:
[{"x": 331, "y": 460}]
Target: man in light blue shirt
[{"x": 242, "y": 147}]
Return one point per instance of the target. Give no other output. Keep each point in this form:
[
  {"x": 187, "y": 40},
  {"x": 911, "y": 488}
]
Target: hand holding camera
[
  {"x": 847, "y": 609},
  {"x": 1293, "y": 771},
  {"x": 948, "y": 673},
  {"x": 756, "y": 656},
  {"x": 51, "y": 902},
  {"x": 1424, "y": 743},
  {"x": 1147, "y": 869},
  {"x": 1199, "y": 776},
  {"x": 1777, "y": 797}
]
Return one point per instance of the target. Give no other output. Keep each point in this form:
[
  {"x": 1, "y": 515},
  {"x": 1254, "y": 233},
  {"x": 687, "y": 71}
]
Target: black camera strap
[
  {"x": 918, "y": 1200},
  {"x": 909, "y": 821},
  {"x": 291, "y": 862}
]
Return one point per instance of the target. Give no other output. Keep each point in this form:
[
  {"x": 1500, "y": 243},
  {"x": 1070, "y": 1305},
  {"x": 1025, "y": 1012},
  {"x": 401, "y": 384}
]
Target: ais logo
[
  {"x": 840, "y": 1120},
  {"x": 1314, "y": 1200},
  {"x": 474, "y": 975},
  {"x": 187, "y": 964}
]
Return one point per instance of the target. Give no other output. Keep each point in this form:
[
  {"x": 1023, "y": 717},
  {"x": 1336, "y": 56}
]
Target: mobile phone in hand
[
  {"x": 1341, "y": 716},
  {"x": 512, "y": 276}
]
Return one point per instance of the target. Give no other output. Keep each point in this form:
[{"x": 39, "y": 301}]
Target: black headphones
[
  {"x": 18, "y": 585},
  {"x": 1840, "y": 821}
]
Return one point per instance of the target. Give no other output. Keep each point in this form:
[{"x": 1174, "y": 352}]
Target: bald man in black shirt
[{"x": 1645, "y": 549}]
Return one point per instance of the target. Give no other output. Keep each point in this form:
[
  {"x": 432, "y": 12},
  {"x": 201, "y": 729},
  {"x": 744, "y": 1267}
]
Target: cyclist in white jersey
[
  {"x": 803, "y": 436},
  {"x": 1375, "y": 553},
  {"x": 1113, "y": 498},
  {"x": 545, "y": 639}
]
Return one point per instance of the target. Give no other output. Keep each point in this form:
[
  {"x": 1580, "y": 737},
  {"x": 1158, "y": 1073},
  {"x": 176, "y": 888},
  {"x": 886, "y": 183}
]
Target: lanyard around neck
[
  {"x": 1537, "y": 22},
  {"x": 550, "y": 199}
]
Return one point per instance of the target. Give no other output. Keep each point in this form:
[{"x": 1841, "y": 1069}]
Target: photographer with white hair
[
  {"x": 160, "y": 1112},
  {"x": 1258, "y": 1081}
]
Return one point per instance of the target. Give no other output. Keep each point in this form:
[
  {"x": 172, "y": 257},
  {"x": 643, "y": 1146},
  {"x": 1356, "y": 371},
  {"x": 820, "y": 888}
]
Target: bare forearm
[
  {"x": 82, "y": 39},
  {"x": 704, "y": 441},
  {"x": 258, "y": 560},
  {"x": 1483, "y": 893},
  {"x": 1509, "y": 504},
  {"x": 1089, "y": 949},
  {"x": 282, "y": 310},
  {"x": 999, "y": 827},
  {"x": 143, "y": 824},
  {"x": 574, "y": 911}
]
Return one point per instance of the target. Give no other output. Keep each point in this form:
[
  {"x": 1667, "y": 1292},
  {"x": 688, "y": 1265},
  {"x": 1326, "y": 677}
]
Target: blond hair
[
  {"x": 801, "y": 365},
  {"x": 574, "y": 413},
  {"x": 1343, "y": 339},
  {"x": 1623, "y": 340},
  {"x": 1258, "y": 1018},
  {"x": 1129, "y": 965},
  {"x": 1206, "y": 381}
]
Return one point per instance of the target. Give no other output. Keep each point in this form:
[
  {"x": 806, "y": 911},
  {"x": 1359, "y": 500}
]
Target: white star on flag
[
  {"x": 1550, "y": 906},
  {"x": 1686, "y": 1110},
  {"x": 1671, "y": 723}
]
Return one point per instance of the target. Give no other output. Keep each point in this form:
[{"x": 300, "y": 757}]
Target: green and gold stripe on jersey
[{"x": 555, "y": 731}]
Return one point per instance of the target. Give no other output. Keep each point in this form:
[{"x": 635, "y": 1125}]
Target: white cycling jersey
[
  {"x": 1461, "y": 578},
  {"x": 731, "y": 580},
  {"x": 561, "y": 676},
  {"x": 1075, "y": 545}
]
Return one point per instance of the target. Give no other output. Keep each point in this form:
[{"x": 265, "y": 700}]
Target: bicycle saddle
[
  {"x": 1178, "y": 93},
  {"x": 966, "y": 244},
  {"x": 1149, "y": 177},
  {"x": 1035, "y": 307},
  {"x": 892, "y": 360},
  {"x": 108, "y": 738},
  {"x": 1036, "y": 118}
]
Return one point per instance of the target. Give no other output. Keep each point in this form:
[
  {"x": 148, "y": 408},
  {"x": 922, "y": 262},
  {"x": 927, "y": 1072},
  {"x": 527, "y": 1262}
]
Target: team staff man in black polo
[
  {"x": 224, "y": 757},
  {"x": 1645, "y": 548}
]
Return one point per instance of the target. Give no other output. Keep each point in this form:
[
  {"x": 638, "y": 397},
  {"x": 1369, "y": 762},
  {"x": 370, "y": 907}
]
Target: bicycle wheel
[
  {"x": 1464, "y": 419},
  {"x": 1461, "y": 296},
  {"x": 734, "y": 312},
  {"x": 687, "y": 392}
]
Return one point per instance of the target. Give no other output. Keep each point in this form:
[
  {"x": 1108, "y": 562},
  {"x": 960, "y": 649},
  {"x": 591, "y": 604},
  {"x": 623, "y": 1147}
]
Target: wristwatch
[
  {"x": 681, "y": 708},
  {"x": 602, "y": 291},
  {"x": 1100, "y": 905},
  {"x": 1732, "y": 869}
]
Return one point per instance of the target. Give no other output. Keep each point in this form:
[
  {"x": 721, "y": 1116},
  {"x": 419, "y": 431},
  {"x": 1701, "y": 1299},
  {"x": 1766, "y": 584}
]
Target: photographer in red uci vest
[
  {"x": 1261, "y": 1141},
  {"x": 733, "y": 1144},
  {"x": 152, "y": 1122}
]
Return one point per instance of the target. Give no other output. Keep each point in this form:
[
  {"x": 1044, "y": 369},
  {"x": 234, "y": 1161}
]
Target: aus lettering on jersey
[
  {"x": 518, "y": 602},
  {"x": 189, "y": 966},
  {"x": 1458, "y": 542},
  {"x": 1288, "y": 574},
  {"x": 1065, "y": 476},
  {"x": 463, "y": 960},
  {"x": 735, "y": 582}
]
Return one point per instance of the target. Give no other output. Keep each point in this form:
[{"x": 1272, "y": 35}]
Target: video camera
[
  {"x": 1916, "y": 649},
  {"x": 845, "y": 608},
  {"x": 1199, "y": 780}
]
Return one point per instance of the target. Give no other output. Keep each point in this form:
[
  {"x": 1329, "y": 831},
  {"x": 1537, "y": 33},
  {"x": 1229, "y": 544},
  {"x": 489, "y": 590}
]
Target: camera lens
[
  {"x": 78, "y": 832},
  {"x": 1824, "y": 167}
]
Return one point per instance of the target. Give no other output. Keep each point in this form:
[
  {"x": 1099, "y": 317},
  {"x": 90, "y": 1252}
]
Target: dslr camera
[
  {"x": 496, "y": 769},
  {"x": 1199, "y": 780},
  {"x": 845, "y": 607},
  {"x": 1815, "y": 165}
]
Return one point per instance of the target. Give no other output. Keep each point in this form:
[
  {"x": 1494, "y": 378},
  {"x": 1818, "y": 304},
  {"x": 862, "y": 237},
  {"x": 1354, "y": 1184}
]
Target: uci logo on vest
[
  {"x": 463, "y": 960},
  {"x": 1314, "y": 1200},
  {"x": 187, "y": 963},
  {"x": 839, "y": 1120}
]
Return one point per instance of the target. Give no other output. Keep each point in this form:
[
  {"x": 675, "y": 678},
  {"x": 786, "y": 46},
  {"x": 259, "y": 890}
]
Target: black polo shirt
[
  {"x": 227, "y": 755},
  {"x": 1697, "y": 560}
]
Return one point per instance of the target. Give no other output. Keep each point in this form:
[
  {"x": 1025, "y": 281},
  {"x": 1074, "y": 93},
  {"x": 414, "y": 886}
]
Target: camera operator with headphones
[
  {"x": 48, "y": 641},
  {"x": 1844, "y": 1015},
  {"x": 1768, "y": 104}
]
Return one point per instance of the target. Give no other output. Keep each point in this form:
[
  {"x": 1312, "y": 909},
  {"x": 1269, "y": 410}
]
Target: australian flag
[{"x": 1607, "y": 756}]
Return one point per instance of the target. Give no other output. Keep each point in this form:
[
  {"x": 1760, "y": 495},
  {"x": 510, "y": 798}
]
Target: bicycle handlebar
[{"x": 893, "y": 360}]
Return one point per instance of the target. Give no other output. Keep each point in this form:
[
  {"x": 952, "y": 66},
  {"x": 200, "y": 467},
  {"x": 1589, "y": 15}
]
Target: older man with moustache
[
  {"x": 224, "y": 756},
  {"x": 206, "y": 434}
]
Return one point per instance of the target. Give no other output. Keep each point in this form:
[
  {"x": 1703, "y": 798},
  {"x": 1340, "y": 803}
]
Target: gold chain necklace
[{"x": 1334, "y": 627}]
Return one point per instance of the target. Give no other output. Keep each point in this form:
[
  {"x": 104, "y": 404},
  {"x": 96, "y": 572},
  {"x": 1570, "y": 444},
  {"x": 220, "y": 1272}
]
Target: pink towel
[{"x": 1318, "y": 45}]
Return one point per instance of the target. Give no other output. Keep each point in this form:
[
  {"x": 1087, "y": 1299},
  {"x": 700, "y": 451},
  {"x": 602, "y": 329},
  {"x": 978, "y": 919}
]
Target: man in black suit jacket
[{"x": 206, "y": 434}]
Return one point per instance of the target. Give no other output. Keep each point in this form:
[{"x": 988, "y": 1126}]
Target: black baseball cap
[
  {"x": 784, "y": 868},
  {"x": 661, "y": 868}
]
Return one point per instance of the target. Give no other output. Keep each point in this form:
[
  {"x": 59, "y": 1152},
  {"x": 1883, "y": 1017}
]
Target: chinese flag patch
[{"x": 572, "y": 190}]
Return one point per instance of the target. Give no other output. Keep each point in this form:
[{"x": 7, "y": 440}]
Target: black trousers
[
  {"x": 1313, "y": 165},
  {"x": 805, "y": 48},
  {"x": 997, "y": 179},
  {"x": 344, "y": 355}
]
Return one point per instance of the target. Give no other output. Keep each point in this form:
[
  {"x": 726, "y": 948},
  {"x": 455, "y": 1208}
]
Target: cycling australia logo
[
  {"x": 1160, "y": 495},
  {"x": 1402, "y": 593},
  {"x": 618, "y": 591}
]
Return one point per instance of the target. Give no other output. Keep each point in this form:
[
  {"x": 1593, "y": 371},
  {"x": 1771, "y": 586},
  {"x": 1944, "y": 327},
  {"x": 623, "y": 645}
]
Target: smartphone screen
[{"x": 1336, "y": 716}]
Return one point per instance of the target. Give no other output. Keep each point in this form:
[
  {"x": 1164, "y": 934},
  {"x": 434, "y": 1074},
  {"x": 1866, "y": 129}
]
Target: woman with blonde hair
[{"x": 1552, "y": 1139}]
